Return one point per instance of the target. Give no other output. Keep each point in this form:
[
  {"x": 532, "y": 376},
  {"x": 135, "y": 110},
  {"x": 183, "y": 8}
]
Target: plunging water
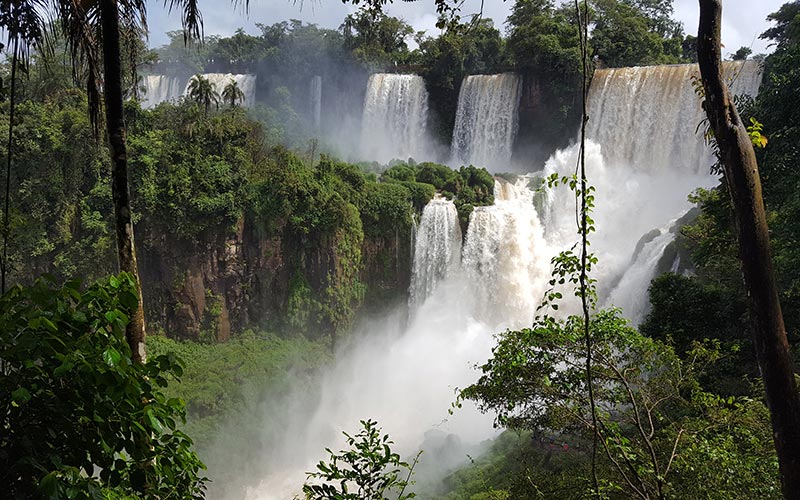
[
  {"x": 161, "y": 88},
  {"x": 405, "y": 376},
  {"x": 315, "y": 91},
  {"x": 395, "y": 117},
  {"x": 486, "y": 121},
  {"x": 437, "y": 251}
]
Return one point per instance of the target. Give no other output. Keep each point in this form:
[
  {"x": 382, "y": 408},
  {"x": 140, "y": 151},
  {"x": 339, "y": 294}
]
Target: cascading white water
[
  {"x": 437, "y": 250},
  {"x": 161, "y": 88},
  {"x": 395, "y": 117},
  {"x": 645, "y": 117},
  {"x": 506, "y": 254},
  {"x": 405, "y": 378},
  {"x": 644, "y": 158},
  {"x": 246, "y": 83},
  {"x": 486, "y": 121},
  {"x": 315, "y": 91},
  {"x": 641, "y": 270}
]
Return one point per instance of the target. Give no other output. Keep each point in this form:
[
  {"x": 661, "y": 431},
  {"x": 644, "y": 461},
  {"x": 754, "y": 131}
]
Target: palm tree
[
  {"x": 202, "y": 91},
  {"x": 232, "y": 94},
  {"x": 94, "y": 31}
]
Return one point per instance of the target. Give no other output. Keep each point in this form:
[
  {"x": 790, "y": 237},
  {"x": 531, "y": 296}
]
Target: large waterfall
[
  {"x": 644, "y": 158},
  {"x": 486, "y": 121},
  {"x": 506, "y": 253},
  {"x": 405, "y": 376},
  {"x": 395, "y": 115},
  {"x": 646, "y": 117},
  {"x": 403, "y": 370},
  {"x": 162, "y": 88}
]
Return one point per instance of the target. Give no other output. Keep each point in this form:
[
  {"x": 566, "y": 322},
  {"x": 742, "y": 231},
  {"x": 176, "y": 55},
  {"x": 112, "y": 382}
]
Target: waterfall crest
[
  {"x": 437, "y": 251},
  {"x": 395, "y": 116},
  {"x": 646, "y": 117},
  {"x": 486, "y": 120}
]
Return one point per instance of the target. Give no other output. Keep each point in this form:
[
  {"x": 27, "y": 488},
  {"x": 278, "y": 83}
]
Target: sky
[{"x": 742, "y": 20}]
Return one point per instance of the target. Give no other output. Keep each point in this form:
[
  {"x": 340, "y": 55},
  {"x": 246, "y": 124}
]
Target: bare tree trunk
[
  {"x": 741, "y": 174},
  {"x": 115, "y": 123}
]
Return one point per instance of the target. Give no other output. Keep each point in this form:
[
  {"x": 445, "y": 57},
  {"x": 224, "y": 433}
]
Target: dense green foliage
[
  {"x": 469, "y": 187},
  {"x": 79, "y": 419},
  {"x": 636, "y": 33},
  {"x": 652, "y": 411}
]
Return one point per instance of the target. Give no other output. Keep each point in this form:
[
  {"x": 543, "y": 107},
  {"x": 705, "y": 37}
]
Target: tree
[
  {"x": 741, "y": 176},
  {"x": 202, "y": 91},
  {"x": 367, "y": 471},
  {"x": 629, "y": 33},
  {"x": 787, "y": 29},
  {"x": 376, "y": 39},
  {"x": 79, "y": 414},
  {"x": 650, "y": 410},
  {"x": 742, "y": 54},
  {"x": 232, "y": 94}
]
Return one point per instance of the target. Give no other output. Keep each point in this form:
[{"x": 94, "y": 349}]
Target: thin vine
[{"x": 586, "y": 226}]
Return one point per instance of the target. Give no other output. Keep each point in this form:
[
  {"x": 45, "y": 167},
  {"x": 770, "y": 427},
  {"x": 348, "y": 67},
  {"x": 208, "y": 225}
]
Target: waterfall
[
  {"x": 246, "y": 83},
  {"x": 486, "y": 121},
  {"x": 395, "y": 117},
  {"x": 641, "y": 270},
  {"x": 643, "y": 157},
  {"x": 161, "y": 88},
  {"x": 315, "y": 92},
  {"x": 437, "y": 250},
  {"x": 645, "y": 117},
  {"x": 404, "y": 375},
  {"x": 506, "y": 256}
]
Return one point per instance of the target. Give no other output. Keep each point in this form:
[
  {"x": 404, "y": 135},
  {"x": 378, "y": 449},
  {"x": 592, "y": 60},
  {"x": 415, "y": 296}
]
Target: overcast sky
[{"x": 742, "y": 20}]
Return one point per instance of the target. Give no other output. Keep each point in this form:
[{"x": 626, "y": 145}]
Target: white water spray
[
  {"x": 315, "y": 91},
  {"x": 161, "y": 88},
  {"x": 406, "y": 378}
]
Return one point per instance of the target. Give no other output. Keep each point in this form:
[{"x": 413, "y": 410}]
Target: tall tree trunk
[
  {"x": 115, "y": 124},
  {"x": 4, "y": 268},
  {"x": 741, "y": 174}
]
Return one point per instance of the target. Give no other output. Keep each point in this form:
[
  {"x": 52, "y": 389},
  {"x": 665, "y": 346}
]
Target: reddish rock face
[{"x": 226, "y": 282}]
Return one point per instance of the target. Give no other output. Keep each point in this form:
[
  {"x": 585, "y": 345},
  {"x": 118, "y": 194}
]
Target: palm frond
[{"x": 191, "y": 18}]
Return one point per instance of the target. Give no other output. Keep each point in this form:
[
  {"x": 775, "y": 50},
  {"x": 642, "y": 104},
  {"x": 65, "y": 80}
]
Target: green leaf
[
  {"x": 21, "y": 395},
  {"x": 111, "y": 357},
  {"x": 155, "y": 422}
]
